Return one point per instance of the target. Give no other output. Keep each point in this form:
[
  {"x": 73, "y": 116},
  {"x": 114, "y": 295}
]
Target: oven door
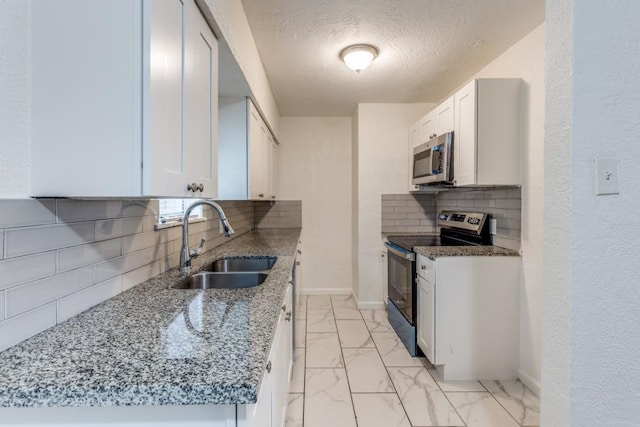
[{"x": 401, "y": 289}]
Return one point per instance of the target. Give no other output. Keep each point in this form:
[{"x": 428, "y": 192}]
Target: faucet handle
[{"x": 195, "y": 252}]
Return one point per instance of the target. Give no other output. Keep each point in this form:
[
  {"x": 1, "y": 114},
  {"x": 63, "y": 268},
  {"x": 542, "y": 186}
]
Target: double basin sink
[{"x": 230, "y": 273}]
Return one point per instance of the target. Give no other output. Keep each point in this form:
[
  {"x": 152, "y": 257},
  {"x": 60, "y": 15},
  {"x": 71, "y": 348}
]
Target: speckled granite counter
[
  {"x": 440, "y": 251},
  {"x": 154, "y": 345}
]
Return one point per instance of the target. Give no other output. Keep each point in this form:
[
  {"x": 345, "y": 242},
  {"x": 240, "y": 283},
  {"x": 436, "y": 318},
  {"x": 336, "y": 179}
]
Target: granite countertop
[
  {"x": 154, "y": 345},
  {"x": 440, "y": 251}
]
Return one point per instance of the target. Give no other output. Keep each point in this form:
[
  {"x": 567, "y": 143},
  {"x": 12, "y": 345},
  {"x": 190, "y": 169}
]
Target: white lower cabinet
[
  {"x": 468, "y": 315},
  {"x": 426, "y": 319},
  {"x": 270, "y": 409}
]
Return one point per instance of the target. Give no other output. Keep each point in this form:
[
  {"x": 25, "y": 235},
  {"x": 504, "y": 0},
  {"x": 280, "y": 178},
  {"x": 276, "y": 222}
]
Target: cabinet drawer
[{"x": 426, "y": 268}]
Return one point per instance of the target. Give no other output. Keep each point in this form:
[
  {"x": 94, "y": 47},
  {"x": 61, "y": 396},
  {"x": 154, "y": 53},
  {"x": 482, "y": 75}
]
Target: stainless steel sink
[
  {"x": 242, "y": 264},
  {"x": 210, "y": 280}
]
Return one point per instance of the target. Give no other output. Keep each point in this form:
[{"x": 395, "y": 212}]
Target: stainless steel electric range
[{"x": 456, "y": 229}]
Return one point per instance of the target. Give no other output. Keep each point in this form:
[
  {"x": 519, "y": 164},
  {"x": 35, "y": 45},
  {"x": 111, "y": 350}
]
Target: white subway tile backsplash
[
  {"x": 149, "y": 223},
  {"x": 29, "y": 240},
  {"x": 83, "y": 255},
  {"x": 123, "y": 264},
  {"x": 71, "y": 210},
  {"x": 25, "y": 297},
  {"x": 1, "y": 306},
  {"x": 22, "y": 213},
  {"x": 141, "y": 241},
  {"x": 114, "y": 228},
  {"x": 508, "y": 203},
  {"x": 51, "y": 266},
  {"x": 139, "y": 275},
  {"x": 80, "y": 301},
  {"x": 19, "y": 328},
  {"x": 139, "y": 208},
  {"x": 26, "y": 269}
]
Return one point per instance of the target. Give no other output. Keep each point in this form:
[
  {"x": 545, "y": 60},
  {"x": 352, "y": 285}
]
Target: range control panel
[{"x": 472, "y": 221}]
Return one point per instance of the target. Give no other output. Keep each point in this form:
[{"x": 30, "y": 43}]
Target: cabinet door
[
  {"x": 279, "y": 371},
  {"x": 426, "y": 318},
  {"x": 200, "y": 103},
  {"x": 428, "y": 127},
  {"x": 414, "y": 139},
  {"x": 255, "y": 152},
  {"x": 446, "y": 119},
  {"x": 273, "y": 167},
  {"x": 259, "y": 415},
  {"x": 465, "y": 135},
  {"x": 164, "y": 161}
]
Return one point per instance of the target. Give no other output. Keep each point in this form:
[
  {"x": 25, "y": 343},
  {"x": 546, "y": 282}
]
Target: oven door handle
[{"x": 405, "y": 255}]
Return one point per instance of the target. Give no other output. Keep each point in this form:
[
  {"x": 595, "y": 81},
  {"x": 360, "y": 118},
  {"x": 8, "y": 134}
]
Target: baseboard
[
  {"x": 371, "y": 305},
  {"x": 529, "y": 382},
  {"x": 324, "y": 291}
]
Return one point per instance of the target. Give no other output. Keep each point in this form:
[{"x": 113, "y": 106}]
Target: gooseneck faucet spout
[{"x": 185, "y": 253}]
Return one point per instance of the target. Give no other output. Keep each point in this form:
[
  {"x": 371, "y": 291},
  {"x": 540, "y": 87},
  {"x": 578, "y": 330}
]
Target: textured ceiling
[{"x": 427, "y": 47}]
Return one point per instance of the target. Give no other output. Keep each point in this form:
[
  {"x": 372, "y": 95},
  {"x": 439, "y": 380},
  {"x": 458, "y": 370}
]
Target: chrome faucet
[{"x": 185, "y": 253}]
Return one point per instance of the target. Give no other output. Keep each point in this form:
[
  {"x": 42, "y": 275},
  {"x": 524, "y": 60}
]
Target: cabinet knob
[
  {"x": 297, "y": 262},
  {"x": 284, "y": 307},
  {"x": 288, "y": 317},
  {"x": 269, "y": 367},
  {"x": 201, "y": 187},
  {"x": 273, "y": 197},
  {"x": 299, "y": 251},
  {"x": 261, "y": 195},
  {"x": 193, "y": 187}
]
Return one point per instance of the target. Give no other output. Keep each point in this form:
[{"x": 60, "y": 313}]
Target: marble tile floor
[{"x": 353, "y": 371}]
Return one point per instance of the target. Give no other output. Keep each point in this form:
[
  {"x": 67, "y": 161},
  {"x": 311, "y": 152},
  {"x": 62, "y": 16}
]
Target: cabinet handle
[
  {"x": 273, "y": 197},
  {"x": 284, "y": 307},
  {"x": 288, "y": 317},
  {"x": 201, "y": 187},
  {"x": 299, "y": 251},
  {"x": 297, "y": 262},
  {"x": 193, "y": 187},
  {"x": 422, "y": 267},
  {"x": 269, "y": 367}
]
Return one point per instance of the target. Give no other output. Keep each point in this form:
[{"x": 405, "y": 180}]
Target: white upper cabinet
[
  {"x": 248, "y": 153},
  {"x": 487, "y": 133},
  {"x": 124, "y": 103},
  {"x": 428, "y": 126},
  {"x": 445, "y": 117}
]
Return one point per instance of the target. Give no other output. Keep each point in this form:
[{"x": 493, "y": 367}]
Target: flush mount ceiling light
[{"x": 359, "y": 56}]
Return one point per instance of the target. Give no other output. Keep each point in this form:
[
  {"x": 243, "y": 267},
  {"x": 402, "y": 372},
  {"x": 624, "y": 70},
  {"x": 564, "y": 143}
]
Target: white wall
[
  {"x": 525, "y": 60},
  {"x": 592, "y": 339},
  {"x": 232, "y": 23},
  {"x": 554, "y": 404},
  {"x": 315, "y": 167},
  {"x": 382, "y": 150},
  {"x": 14, "y": 99}
]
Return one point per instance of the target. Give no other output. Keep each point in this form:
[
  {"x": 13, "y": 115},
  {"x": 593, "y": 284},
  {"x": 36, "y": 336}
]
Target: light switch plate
[{"x": 606, "y": 176}]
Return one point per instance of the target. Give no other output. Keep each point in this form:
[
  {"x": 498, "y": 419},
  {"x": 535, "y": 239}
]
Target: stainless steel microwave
[{"x": 433, "y": 161}]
